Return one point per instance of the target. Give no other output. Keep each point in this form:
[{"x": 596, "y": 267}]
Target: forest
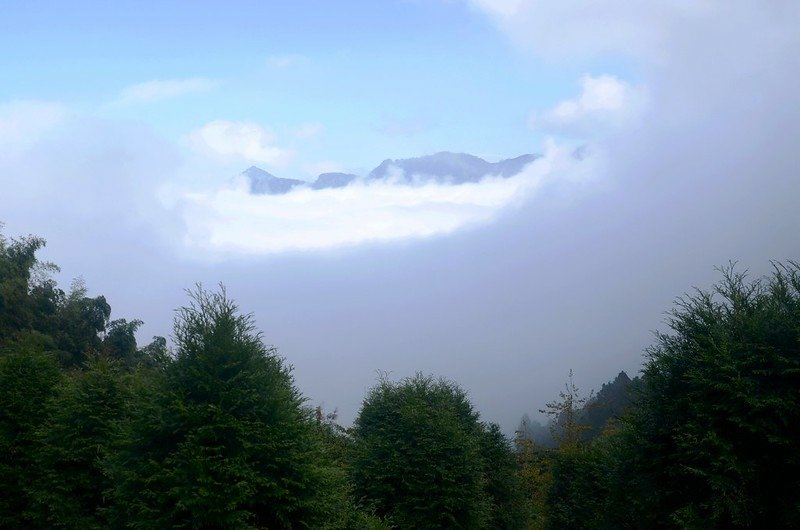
[{"x": 209, "y": 430}]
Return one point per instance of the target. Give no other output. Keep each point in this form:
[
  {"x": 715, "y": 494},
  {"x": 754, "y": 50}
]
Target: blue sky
[
  {"x": 124, "y": 125},
  {"x": 387, "y": 79}
]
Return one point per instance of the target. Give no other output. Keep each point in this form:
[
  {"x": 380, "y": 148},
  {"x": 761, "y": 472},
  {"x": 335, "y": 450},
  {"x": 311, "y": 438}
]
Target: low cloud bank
[{"x": 231, "y": 219}]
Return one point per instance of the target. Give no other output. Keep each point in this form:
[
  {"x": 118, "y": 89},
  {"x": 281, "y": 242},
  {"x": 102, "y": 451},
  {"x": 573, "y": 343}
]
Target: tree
[
  {"x": 418, "y": 458},
  {"x": 28, "y": 378},
  {"x": 342, "y": 512},
  {"x": 119, "y": 341},
  {"x": 223, "y": 441},
  {"x": 571, "y": 482},
  {"x": 566, "y": 424},
  {"x": 69, "y": 483},
  {"x": 26, "y": 292},
  {"x": 533, "y": 430},
  {"x": 716, "y": 430},
  {"x": 534, "y": 471},
  {"x": 607, "y": 407},
  {"x": 32, "y": 307},
  {"x": 503, "y": 485},
  {"x": 78, "y": 324}
]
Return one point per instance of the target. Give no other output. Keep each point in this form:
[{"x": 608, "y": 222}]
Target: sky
[{"x": 666, "y": 130}]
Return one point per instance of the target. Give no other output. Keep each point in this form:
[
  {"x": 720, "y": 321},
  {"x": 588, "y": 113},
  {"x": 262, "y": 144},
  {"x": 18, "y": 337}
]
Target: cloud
[
  {"x": 83, "y": 178},
  {"x": 643, "y": 28},
  {"x": 246, "y": 141},
  {"x": 231, "y": 220},
  {"x": 309, "y": 130},
  {"x": 25, "y": 123},
  {"x": 605, "y": 102},
  {"x": 159, "y": 90}
]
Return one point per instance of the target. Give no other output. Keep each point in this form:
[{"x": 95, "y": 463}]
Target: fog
[{"x": 506, "y": 301}]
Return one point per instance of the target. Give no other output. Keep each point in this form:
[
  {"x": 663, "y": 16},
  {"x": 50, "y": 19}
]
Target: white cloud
[
  {"x": 309, "y": 130},
  {"x": 70, "y": 174},
  {"x": 24, "y": 123},
  {"x": 565, "y": 27},
  {"x": 233, "y": 220},
  {"x": 159, "y": 90},
  {"x": 605, "y": 102},
  {"x": 245, "y": 141}
]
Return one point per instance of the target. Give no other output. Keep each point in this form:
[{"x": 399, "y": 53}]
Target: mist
[{"x": 507, "y": 292}]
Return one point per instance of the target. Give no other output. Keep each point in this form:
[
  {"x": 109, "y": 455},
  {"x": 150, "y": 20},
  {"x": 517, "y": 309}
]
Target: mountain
[
  {"x": 609, "y": 404},
  {"x": 455, "y": 168},
  {"x": 511, "y": 166},
  {"x": 599, "y": 414},
  {"x": 333, "y": 180},
  {"x": 263, "y": 183},
  {"x": 443, "y": 167}
]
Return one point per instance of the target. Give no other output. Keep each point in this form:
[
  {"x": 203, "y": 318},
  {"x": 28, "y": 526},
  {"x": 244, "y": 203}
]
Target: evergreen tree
[
  {"x": 716, "y": 432},
  {"x": 503, "y": 485},
  {"x": 418, "y": 455},
  {"x": 224, "y": 442},
  {"x": 342, "y": 512},
  {"x": 605, "y": 409},
  {"x": 28, "y": 378},
  {"x": 566, "y": 416},
  {"x": 69, "y": 484}
]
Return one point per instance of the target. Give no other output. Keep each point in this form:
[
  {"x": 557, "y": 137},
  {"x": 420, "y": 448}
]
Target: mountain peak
[
  {"x": 442, "y": 167},
  {"x": 447, "y": 166},
  {"x": 333, "y": 180},
  {"x": 256, "y": 171},
  {"x": 265, "y": 183}
]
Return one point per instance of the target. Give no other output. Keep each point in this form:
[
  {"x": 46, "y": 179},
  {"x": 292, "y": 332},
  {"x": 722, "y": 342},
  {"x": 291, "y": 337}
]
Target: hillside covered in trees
[{"x": 97, "y": 431}]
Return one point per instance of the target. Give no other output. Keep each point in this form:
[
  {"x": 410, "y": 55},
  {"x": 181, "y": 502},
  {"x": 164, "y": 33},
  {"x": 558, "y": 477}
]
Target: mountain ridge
[{"x": 443, "y": 167}]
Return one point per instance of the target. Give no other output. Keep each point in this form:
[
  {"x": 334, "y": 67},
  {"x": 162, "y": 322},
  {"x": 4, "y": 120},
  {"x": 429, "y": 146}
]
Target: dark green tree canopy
[
  {"x": 232, "y": 446},
  {"x": 418, "y": 455},
  {"x": 28, "y": 379},
  {"x": 720, "y": 410},
  {"x": 96, "y": 432},
  {"x": 68, "y": 484},
  {"x": 34, "y": 310}
]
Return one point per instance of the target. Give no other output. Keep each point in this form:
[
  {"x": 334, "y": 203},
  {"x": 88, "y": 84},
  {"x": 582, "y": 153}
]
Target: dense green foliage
[
  {"x": 232, "y": 446},
  {"x": 423, "y": 460},
  {"x": 69, "y": 482},
  {"x": 718, "y": 422},
  {"x": 417, "y": 459},
  {"x": 28, "y": 379},
  {"x": 713, "y": 439},
  {"x": 97, "y": 432}
]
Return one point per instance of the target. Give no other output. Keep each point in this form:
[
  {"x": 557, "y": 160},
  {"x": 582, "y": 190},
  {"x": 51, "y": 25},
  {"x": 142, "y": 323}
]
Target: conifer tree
[
  {"x": 717, "y": 428},
  {"x": 418, "y": 455},
  {"x": 225, "y": 441},
  {"x": 28, "y": 378},
  {"x": 69, "y": 484}
]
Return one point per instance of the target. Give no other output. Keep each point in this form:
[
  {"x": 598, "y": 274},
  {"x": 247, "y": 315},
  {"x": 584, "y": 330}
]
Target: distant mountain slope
[
  {"x": 511, "y": 166},
  {"x": 609, "y": 404},
  {"x": 333, "y": 180},
  {"x": 456, "y": 168},
  {"x": 443, "y": 167},
  {"x": 263, "y": 183},
  {"x": 598, "y": 414}
]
